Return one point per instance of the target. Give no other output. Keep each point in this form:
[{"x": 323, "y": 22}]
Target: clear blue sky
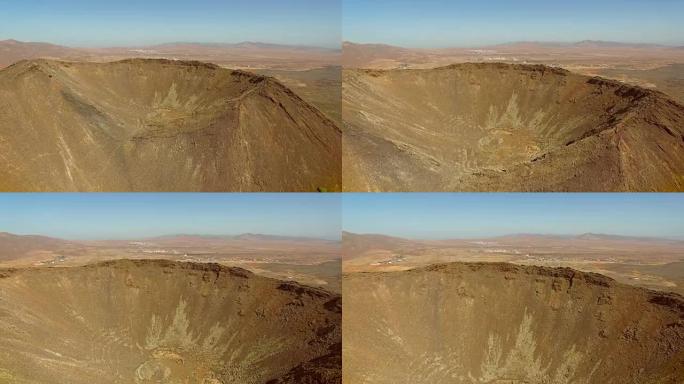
[
  {"x": 138, "y": 22},
  {"x": 137, "y": 215},
  {"x": 441, "y": 23},
  {"x": 443, "y": 215}
]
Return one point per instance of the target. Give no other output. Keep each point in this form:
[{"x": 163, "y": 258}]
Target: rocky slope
[
  {"x": 501, "y": 323},
  {"x": 159, "y": 125},
  {"x": 164, "y": 322},
  {"x": 502, "y": 127}
]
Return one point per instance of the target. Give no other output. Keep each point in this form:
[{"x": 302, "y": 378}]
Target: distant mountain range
[
  {"x": 12, "y": 245},
  {"x": 256, "y": 237},
  {"x": 12, "y": 51},
  {"x": 6, "y": 236},
  {"x": 365, "y": 55},
  {"x": 586, "y": 44},
  {"x": 355, "y": 245},
  {"x": 521, "y": 44},
  {"x": 243, "y": 45},
  {"x": 255, "y": 53},
  {"x": 367, "y": 238},
  {"x": 8, "y": 240}
]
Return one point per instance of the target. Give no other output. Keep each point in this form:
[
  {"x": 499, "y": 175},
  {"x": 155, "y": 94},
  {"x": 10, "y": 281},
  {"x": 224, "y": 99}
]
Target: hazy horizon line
[
  {"x": 208, "y": 235},
  {"x": 262, "y": 42},
  {"x": 343, "y": 42},
  {"x": 557, "y": 42},
  {"x": 493, "y": 236},
  {"x": 344, "y": 231}
]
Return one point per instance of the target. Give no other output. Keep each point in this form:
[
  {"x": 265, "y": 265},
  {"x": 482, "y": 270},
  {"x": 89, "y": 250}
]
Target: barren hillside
[
  {"x": 500, "y": 323},
  {"x": 501, "y": 127},
  {"x": 164, "y": 322},
  {"x": 159, "y": 125}
]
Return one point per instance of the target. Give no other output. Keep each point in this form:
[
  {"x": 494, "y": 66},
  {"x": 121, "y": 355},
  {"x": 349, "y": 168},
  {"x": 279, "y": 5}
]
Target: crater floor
[
  {"x": 502, "y": 127},
  {"x": 159, "y": 125},
  {"x": 164, "y": 322},
  {"x": 502, "y": 323}
]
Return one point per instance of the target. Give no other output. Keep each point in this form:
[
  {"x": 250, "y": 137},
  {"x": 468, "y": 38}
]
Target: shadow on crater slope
[
  {"x": 165, "y": 322},
  {"x": 501, "y": 127},
  {"x": 501, "y": 323},
  {"x": 159, "y": 125}
]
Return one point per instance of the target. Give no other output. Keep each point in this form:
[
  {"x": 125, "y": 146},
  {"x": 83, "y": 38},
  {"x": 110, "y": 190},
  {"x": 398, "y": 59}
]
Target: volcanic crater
[
  {"x": 504, "y": 323},
  {"x": 154, "y": 321},
  {"x": 159, "y": 125},
  {"x": 507, "y": 127}
]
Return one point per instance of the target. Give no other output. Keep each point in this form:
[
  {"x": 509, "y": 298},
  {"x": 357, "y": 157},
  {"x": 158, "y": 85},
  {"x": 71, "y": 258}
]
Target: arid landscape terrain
[
  {"x": 156, "y": 119},
  {"x": 513, "y": 288},
  {"x": 506, "y": 323},
  {"x": 161, "y": 321},
  {"x": 185, "y": 308},
  {"x": 246, "y": 55},
  {"x": 645, "y": 262},
  {"x": 648, "y": 65},
  {"x": 308, "y": 261},
  {"x": 321, "y": 87},
  {"x": 311, "y": 72},
  {"x": 515, "y": 117},
  {"x": 513, "y": 309},
  {"x": 507, "y": 127}
]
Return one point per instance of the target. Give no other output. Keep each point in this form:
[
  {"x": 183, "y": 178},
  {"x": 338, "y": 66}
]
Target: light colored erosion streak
[
  {"x": 500, "y": 127},
  {"x": 159, "y": 125},
  {"x": 159, "y": 322},
  {"x": 501, "y": 323}
]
